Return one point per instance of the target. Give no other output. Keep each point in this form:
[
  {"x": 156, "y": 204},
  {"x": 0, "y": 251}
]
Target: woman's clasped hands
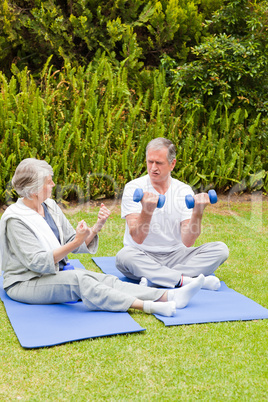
[
  {"x": 85, "y": 233},
  {"x": 82, "y": 232},
  {"x": 103, "y": 215}
]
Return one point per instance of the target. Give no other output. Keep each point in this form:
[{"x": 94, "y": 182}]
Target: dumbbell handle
[
  {"x": 138, "y": 194},
  {"x": 189, "y": 199}
]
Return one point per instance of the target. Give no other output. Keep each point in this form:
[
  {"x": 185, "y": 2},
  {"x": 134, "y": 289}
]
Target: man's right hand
[
  {"x": 149, "y": 202},
  {"x": 139, "y": 224}
]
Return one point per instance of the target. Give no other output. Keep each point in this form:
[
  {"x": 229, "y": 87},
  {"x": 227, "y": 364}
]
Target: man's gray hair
[
  {"x": 30, "y": 175},
  {"x": 160, "y": 143}
]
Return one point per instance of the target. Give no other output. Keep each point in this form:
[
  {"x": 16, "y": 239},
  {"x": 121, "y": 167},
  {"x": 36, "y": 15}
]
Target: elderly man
[{"x": 159, "y": 242}]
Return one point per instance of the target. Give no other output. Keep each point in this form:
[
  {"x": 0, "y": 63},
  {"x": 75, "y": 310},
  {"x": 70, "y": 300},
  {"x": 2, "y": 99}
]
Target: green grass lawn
[{"x": 210, "y": 362}]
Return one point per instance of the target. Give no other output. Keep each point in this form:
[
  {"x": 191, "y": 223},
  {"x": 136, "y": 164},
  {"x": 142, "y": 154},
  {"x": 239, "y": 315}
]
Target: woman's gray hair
[
  {"x": 160, "y": 143},
  {"x": 30, "y": 175}
]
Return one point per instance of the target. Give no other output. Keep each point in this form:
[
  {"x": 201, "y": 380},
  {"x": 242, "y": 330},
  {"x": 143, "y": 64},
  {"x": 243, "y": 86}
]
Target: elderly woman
[{"x": 36, "y": 238}]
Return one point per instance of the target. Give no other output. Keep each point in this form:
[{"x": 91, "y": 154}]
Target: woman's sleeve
[{"x": 25, "y": 247}]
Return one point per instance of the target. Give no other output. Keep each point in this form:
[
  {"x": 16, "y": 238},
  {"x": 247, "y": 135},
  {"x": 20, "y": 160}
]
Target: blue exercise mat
[
  {"x": 206, "y": 306},
  {"x": 48, "y": 325},
  {"x": 107, "y": 265}
]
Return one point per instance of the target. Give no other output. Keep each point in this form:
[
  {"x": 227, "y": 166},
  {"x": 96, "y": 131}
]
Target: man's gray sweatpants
[{"x": 165, "y": 269}]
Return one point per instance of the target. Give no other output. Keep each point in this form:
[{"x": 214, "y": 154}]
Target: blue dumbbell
[
  {"x": 68, "y": 267},
  {"x": 138, "y": 194},
  {"x": 189, "y": 199}
]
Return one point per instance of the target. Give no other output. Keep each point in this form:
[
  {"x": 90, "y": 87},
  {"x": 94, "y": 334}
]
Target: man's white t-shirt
[{"x": 164, "y": 235}]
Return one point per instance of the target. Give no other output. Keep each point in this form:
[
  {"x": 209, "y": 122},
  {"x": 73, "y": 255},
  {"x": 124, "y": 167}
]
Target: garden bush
[
  {"x": 86, "y": 84},
  {"x": 73, "y": 31},
  {"x": 92, "y": 127}
]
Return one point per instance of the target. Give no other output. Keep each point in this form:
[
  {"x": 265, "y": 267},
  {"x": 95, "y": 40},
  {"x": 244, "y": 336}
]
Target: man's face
[{"x": 158, "y": 167}]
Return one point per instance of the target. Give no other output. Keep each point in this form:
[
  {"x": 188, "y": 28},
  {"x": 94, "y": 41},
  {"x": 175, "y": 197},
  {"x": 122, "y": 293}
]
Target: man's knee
[
  {"x": 223, "y": 251},
  {"x": 119, "y": 258},
  {"x": 124, "y": 256},
  {"x": 127, "y": 262}
]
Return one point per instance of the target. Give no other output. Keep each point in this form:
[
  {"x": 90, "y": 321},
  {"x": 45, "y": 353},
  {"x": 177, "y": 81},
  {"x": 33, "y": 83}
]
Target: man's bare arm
[
  {"x": 191, "y": 228},
  {"x": 139, "y": 224}
]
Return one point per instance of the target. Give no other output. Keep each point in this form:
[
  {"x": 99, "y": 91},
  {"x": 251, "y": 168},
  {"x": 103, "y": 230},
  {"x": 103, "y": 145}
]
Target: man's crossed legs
[{"x": 173, "y": 269}]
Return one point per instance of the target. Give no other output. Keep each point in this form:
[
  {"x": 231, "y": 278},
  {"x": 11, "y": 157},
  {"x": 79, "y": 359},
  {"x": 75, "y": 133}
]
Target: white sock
[
  {"x": 211, "y": 282},
  {"x": 183, "y": 295},
  {"x": 167, "y": 309},
  {"x": 143, "y": 282}
]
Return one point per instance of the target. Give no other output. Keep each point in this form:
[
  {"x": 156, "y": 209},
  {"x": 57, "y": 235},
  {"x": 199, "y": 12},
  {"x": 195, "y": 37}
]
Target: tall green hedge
[
  {"x": 92, "y": 127},
  {"x": 142, "y": 30},
  {"x": 86, "y": 84}
]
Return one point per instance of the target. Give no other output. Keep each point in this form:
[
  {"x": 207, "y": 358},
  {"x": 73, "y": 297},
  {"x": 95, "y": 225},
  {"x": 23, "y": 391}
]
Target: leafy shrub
[
  {"x": 92, "y": 127},
  {"x": 32, "y": 30},
  {"x": 230, "y": 73}
]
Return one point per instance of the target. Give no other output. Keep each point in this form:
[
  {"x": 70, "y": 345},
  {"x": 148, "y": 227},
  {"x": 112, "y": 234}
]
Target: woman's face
[{"x": 46, "y": 190}]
